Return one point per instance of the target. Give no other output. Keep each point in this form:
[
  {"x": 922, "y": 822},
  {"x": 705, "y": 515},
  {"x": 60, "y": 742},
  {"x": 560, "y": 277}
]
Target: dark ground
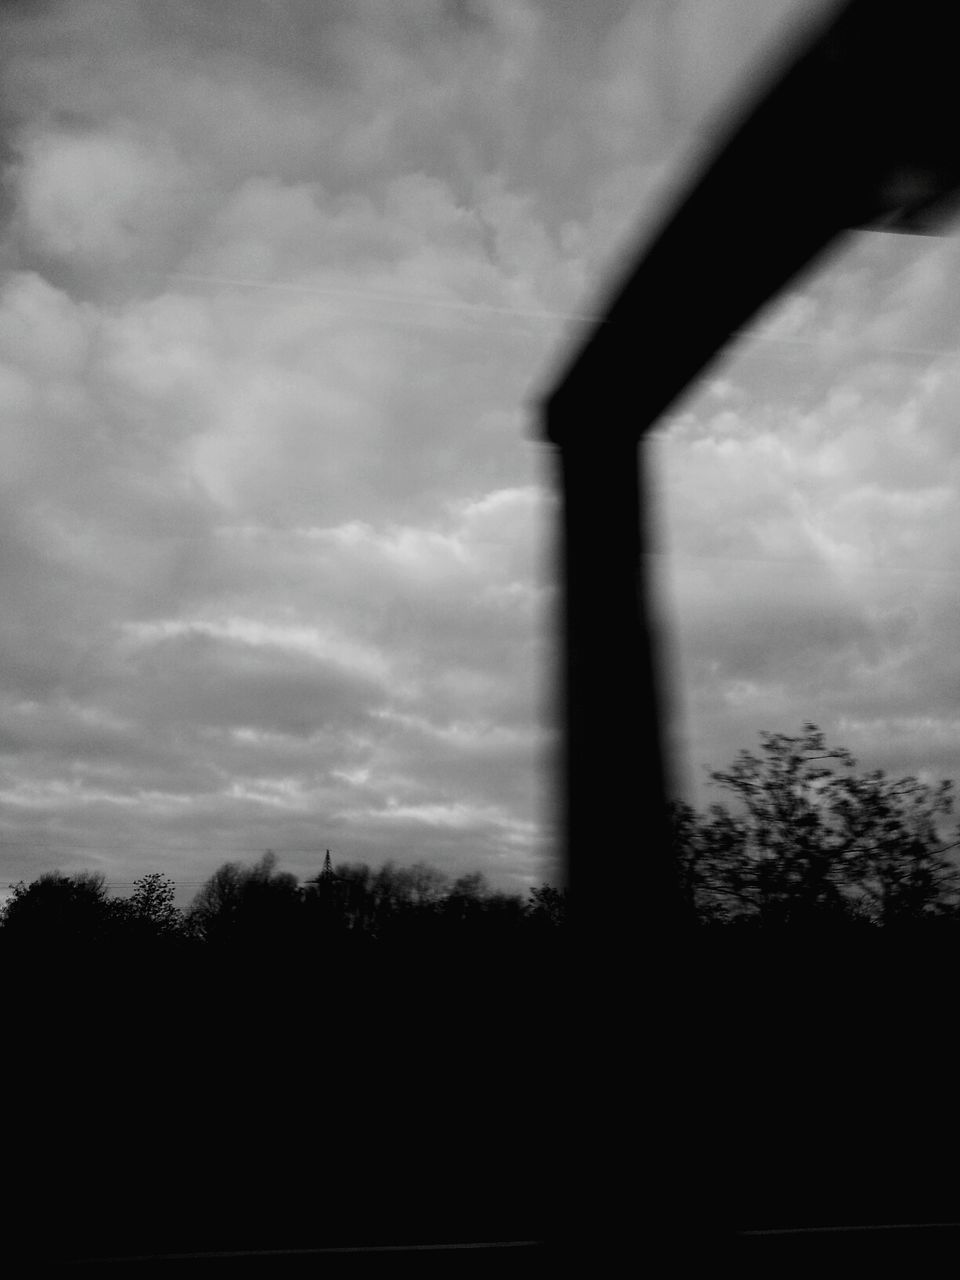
[{"x": 759, "y": 1088}]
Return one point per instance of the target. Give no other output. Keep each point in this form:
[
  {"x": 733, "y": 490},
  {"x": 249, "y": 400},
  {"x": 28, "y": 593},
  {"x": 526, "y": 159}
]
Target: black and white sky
[{"x": 281, "y": 283}]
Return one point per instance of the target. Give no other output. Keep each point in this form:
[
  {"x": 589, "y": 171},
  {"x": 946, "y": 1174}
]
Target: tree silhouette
[
  {"x": 57, "y": 912},
  {"x": 259, "y": 911},
  {"x": 152, "y": 908},
  {"x": 548, "y": 906},
  {"x": 246, "y": 906},
  {"x": 338, "y": 902},
  {"x": 808, "y": 844}
]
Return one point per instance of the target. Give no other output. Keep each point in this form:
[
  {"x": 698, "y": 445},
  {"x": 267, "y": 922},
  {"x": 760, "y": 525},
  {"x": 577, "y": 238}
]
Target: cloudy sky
[{"x": 282, "y": 281}]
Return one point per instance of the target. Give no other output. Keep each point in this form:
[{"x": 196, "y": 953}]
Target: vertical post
[
  {"x": 625, "y": 899},
  {"x": 614, "y": 785}
]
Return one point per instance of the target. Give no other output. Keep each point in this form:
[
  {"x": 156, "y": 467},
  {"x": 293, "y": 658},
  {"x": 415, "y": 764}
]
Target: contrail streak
[
  {"x": 738, "y": 337},
  {"x": 378, "y": 295},
  {"x": 760, "y": 335}
]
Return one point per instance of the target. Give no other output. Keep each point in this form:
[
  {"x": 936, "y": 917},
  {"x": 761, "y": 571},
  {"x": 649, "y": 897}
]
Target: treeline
[
  {"x": 809, "y": 842},
  {"x": 261, "y": 909},
  {"x": 387, "y": 1054},
  {"x": 368, "y": 1057}
]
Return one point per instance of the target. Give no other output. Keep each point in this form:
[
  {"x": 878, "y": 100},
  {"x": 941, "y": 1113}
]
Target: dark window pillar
[{"x": 621, "y": 877}]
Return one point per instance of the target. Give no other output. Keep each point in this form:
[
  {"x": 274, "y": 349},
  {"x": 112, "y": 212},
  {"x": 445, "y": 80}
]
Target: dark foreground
[
  {"x": 721, "y": 1106},
  {"x": 232, "y": 1106}
]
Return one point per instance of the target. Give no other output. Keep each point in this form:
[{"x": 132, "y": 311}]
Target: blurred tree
[
  {"x": 547, "y": 906},
  {"x": 215, "y": 910},
  {"x": 463, "y": 907},
  {"x": 424, "y": 887},
  {"x": 808, "y": 844},
  {"x": 247, "y": 906},
  {"x": 345, "y": 895},
  {"x": 505, "y": 913},
  {"x": 408, "y": 903},
  {"x": 894, "y": 846}
]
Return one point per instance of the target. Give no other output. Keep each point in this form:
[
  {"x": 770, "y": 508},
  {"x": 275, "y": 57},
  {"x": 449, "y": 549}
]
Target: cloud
[
  {"x": 808, "y": 497},
  {"x": 94, "y": 199},
  {"x": 255, "y": 455},
  {"x": 280, "y": 290}
]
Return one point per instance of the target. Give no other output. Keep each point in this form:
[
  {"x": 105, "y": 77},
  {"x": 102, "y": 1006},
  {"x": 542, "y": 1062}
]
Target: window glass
[
  {"x": 281, "y": 287},
  {"x": 806, "y": 499}
]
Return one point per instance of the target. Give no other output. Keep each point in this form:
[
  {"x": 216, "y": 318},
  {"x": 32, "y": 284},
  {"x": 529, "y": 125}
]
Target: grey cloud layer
[
  {"x": 271, "y": 514},
  {"x": 809, "y": 494},
  {"x": 279, "y": 285}
]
